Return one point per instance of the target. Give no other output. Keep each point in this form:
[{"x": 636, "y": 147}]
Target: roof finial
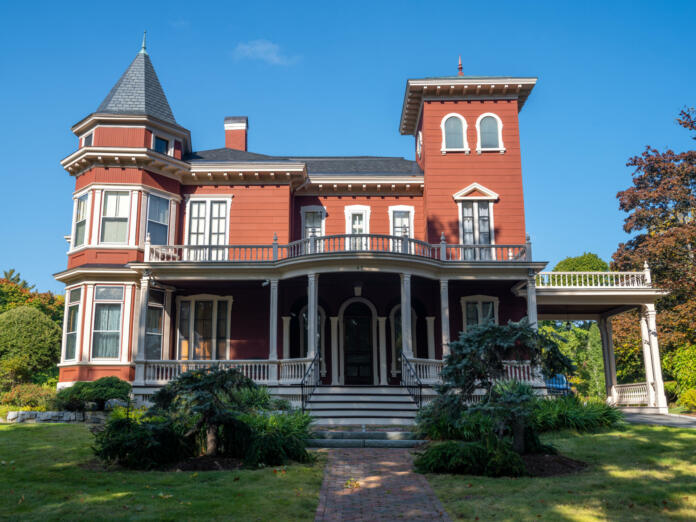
[
  {"x": 143, "y": 49},
  {"x": 459, "y": 67}
]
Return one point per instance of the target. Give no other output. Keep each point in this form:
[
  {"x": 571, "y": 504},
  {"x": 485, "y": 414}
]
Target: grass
[
  {"x": 49, "y": 473},
  {"x": 638, "y": 473}
]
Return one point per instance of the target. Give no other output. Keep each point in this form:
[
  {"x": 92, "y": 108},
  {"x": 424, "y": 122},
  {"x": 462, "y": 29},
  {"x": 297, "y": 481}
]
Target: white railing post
[
  {"x": 146, "y": 254},
  {"x": 528, "y": 248},
  {"x": 443, "y": 247},
  {"x": 647, "y": 275},
  {"x": 275, "y": 246}
]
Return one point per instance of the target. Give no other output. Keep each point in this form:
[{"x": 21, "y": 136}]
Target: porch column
[
  {"x": 660, "y": 398},
  {"x": 444, "y": 316},
  {"x": 531, "y": 300},
  {"x": 142, "y": 322},
  {"x": 273, "y": 333},
  {"x": 334, "y": 351},
  {"x": 430, "y": 327},
  {"x": 286, "y": 336},
  {"x": 647, "y": 357},
  {"x": 406, "y": 339},
  {"x": 312, "y": 315},
  {"x": 382, "y": 335},
  {"x": 167, "y": 325},
  {"x": 608, "y": 356}
]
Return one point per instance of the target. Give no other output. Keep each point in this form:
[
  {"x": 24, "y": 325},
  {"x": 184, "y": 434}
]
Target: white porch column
[
  {"x": 273, "y": 332},
  {"x": 142, "y": 322},
  {"x": 382, "y": 328},
  {"x": 444, "y": 316},
  {"x": 406, "y": 336},
  {"x": 430, "y": 327},
  {"x": 608, "y": 356},
  {"x": 334, "y": 351},
  {"x": 312, "y": 315},
  {"x": 531, "y": 300},
  {"x": 647, "y": 358},
  {"x": 660, "y": 398},
  {"x": 167, "y": 324},
  {"x": 286, "y": 336}
]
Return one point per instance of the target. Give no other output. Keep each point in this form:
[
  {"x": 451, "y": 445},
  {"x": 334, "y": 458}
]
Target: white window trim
[
  {"x": 479, "y": 299},
  {"x": 444, "y": 148},
  {"x": 402, "y": 208},
  {"x": 203, "y": 297},
  {"x": 313, "y": 208},
  {"x": 84, "y": 136},
  {"x": 163, "y": 308},
  {"x": 132, "y": 208},
  {"x": 489, "y": 197},
  {"x": 145, "y": 219},
  {"x": 125, "y": 325},
  {"x": 396, "y": 368},
  {"x": 208, "y": 198},
  {"x": 350, "y": 210},
  {"x": 163, "y": 135},
  {"x": 419, "y": 145},
  {"x": 88, "y": 221},
  {"x": 500, "y": 148},
  {"x": 78, "y": 324}
]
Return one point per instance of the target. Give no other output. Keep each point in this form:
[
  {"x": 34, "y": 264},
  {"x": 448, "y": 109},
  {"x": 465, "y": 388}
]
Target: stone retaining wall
[{"x": 90, "y": 417}]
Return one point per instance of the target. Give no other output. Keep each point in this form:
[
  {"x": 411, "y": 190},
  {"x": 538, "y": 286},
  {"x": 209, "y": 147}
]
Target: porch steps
[
  {"x": 363, "y": 439},
  {"x": 362, "y": 406}
]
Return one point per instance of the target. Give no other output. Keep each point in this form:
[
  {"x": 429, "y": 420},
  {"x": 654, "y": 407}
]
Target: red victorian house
[{"x": 297, "y": 269}]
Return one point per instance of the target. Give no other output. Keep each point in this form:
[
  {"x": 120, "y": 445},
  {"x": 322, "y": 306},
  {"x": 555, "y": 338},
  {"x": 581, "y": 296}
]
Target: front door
[{"x": 357, "y": 344}]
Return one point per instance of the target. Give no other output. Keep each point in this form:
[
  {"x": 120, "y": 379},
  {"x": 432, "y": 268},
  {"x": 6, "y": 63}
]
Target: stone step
[
  {"x": 373, "y": 414},
  {"x": 363, "y": 421},
  {"x": 338, "y": 405},
  {"x": 323, "y": 397},
  {"x": 362, "y": 390},
  {"x": 372, "y": 435},
  {"x": 362, "y": 443}
]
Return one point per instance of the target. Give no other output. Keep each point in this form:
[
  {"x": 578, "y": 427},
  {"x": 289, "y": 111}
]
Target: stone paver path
[
  {"x": 364, "y": 484},
  {"x": 674, "y": 421}
]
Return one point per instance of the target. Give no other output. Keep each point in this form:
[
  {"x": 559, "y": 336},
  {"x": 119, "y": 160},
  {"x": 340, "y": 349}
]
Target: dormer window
[
  {"x": 161, "y": 145},
  {"x": 489, "y": 130},
  {"x": 454, "y": 134},
  {"x": 87, "y": 140}
]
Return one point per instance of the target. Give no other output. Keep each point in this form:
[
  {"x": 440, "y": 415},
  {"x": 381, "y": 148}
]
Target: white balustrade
[
  {"x": 427, "y": 370},
  {"x": 292, "y": 370},
  {"x": 592, "y": 280},
  {"x": 631, "y": 394}
]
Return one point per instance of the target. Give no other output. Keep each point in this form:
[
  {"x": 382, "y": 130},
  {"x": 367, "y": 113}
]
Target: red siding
[
  {"x": 120, "y": 137},
  {"x": 94, "y": 372},
  {"x": 127, "y": 175}
]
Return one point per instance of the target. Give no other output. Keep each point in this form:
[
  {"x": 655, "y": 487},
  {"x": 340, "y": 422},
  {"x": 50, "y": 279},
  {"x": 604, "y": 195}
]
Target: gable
[{"x": 476, "y": 191}]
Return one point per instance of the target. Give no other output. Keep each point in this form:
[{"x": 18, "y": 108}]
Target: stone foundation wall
[{"x": 90, "y": 417}]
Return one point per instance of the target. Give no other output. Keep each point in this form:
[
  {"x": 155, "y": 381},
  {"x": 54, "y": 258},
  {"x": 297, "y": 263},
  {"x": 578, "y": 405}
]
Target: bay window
[
  {"x": 106, "y": 336},
  {"x": 80, "y": 234},
  {"x": 204, "y": 328},
  {"x": 115, "y": 210},
  {"x": 154, "y": 325},
  {"x": 72, "y": 313},
  {"x": 158, "y": 219}
]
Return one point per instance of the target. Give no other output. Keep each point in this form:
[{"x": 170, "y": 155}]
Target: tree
[
  {"x": 588, "y": 262},
  {"x": 15, "y": 277},
  {"x": 13, "y": 294},
  {"x": 29, "y": 343}
]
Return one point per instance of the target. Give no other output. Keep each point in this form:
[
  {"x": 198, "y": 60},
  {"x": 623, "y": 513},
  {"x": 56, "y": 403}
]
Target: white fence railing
[
  {"x": 631, "y": 394},
  {"x": 593, "y": 280},
  {"x": 335, "y": 244},
  {"x": 428, "y": 370}
]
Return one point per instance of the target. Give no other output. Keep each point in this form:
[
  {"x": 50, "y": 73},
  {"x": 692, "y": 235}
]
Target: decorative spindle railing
[
  {"x": 631, "y": 394},
  {"x": 593, "y": 280},
  {"x": 411, "y": 381}
]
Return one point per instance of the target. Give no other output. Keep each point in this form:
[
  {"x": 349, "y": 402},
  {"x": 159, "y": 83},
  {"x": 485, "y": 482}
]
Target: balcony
[{"x": 341, "y": 244}]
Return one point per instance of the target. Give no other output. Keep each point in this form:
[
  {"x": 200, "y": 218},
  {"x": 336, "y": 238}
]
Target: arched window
[
  {"x": 454, "y": 134},
  {"x": 489, "y": 129}
]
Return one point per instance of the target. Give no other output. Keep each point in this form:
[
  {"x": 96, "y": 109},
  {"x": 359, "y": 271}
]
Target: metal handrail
[
  {"x": 310, "y": 381},
  {"x": 410, "y": 380}
]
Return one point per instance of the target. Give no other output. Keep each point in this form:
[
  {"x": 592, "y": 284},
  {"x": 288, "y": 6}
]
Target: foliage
[
  {"x": 491, "y": 457},
  {"x": 688, "y": 399},
  {"x": 681, "y": 364},
  {"x": 571, "y": 413},
  {"x": 672, "y": 391},
  {"x": 32, "y": 395},
  {"x": 444, "y": 419},
  {"x": 15, "y": 277},
  {"x": 75, "y": 397},
  {"x": 587, "y": 262},
  {"x": 13, "y": 295},
  {"x": 31, "y": 342}
]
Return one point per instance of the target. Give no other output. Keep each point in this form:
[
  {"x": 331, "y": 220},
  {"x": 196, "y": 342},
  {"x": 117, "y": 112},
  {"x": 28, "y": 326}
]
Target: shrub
[
  {"x": 30, "y": 336},
  {"x": 688, "y": 399},
  {"x": 570, "y": 413},
  {"x": 491, "y": 457},
  {"x": 148, "y": 444},
  {"x": 682, "y": 365},
  {"x": 278, "y": 404},
  {"x": 74, "y": 397},
  {"x": 672, "y": 391},
  {"x": 30, "y": 395},
  {"x": 276, "y": 438}
]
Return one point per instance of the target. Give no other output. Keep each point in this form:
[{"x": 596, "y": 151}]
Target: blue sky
[{"x": 328, "y": 78}]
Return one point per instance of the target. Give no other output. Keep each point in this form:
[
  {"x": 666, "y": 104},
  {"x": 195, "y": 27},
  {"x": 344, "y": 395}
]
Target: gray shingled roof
[
  {"x": 138, "y": 91},
  {"x": 315, "y": 164}
]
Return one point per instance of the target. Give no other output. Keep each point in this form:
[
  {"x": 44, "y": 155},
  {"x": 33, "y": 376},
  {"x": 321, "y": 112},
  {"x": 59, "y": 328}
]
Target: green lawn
[
  {"x": 48, "y": 473},
  {"x": 640, "y": 473}
]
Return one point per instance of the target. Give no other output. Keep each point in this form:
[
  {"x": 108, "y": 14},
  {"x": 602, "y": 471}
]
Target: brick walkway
[{"x": 375, "y": 484}]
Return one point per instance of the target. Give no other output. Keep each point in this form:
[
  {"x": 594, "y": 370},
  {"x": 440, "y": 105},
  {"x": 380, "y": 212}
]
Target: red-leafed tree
[{"x": 661, "y": 207}]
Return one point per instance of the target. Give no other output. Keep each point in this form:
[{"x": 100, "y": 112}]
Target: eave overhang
[
  {"x": 460, "y": 88},
  {"x": 251, "y": 173},
  {"x": 362, "y": 184}
]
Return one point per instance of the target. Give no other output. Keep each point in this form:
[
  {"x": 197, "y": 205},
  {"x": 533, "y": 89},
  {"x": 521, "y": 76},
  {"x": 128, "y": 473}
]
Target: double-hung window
[
  {"x": 207, "y": 228},
  {"x": 115, "y": 210},
  {"x": 158, "y": 219},
  {"x": 312, "y": 226},
  {"x": 154, "y": 325},
  {"x": 479, "y": 310},
  {"x": 72, "y": 313},
  {"x": 357, "y": 224},
  {"x": 80, "y": 221},
  {"x": 401, "y": 222},
  {"x": 106, "y": 337},
  {"x": 204, "y": 328},
  {"x": 476, "y": 229}
]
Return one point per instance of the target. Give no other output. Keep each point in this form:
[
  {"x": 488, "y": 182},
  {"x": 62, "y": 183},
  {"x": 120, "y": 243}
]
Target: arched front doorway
[{"x": 358, "y": 342}]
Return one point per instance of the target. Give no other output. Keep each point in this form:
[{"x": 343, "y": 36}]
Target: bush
[
  {"x": 570, "y": 413},
  {"x": 276, "y": 438},
  {"x": 672, "y": 391},
  {"x": 688, "y": 399},
  {"x": 29, "y": 336},
  {"x": 682, "y": 365},
  {"x": 490, "y": 457},
  {"x": 30, "y": 395},
  {"x": 74, "y": 397},
  {"x": 148, "y": 444}
]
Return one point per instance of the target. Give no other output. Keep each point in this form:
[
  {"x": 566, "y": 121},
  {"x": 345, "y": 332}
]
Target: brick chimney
[{"x": 236, "y": 132}]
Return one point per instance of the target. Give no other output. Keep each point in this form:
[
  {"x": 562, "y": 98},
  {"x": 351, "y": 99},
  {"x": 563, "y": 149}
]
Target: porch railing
[
  {"x": 593, "y": 280},
  {"x": 335, "y": 244},
  {"x": 631, "y": 394},
  {"x": 310, "y": 380},
  {"x": 411, "y": 381}
]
